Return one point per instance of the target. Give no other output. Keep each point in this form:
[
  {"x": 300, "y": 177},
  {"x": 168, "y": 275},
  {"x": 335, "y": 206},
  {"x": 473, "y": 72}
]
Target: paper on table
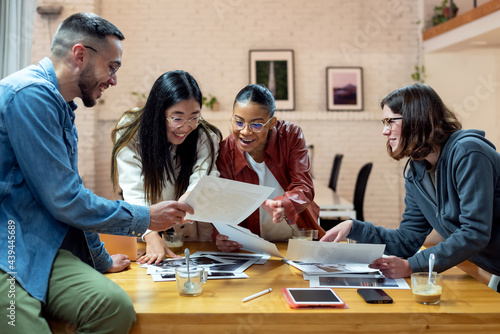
[
  {"x": 320, "y": 268},
  {"x": 333, "y": 252},
  {"x": 250, "y": 242},
  {"x": 357, "y": 281},
  {"x": 225, "y": 201}
]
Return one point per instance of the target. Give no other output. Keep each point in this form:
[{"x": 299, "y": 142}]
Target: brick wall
[
  {"x": 211, "y": 39},
  {"x": 43, "y": 33}
]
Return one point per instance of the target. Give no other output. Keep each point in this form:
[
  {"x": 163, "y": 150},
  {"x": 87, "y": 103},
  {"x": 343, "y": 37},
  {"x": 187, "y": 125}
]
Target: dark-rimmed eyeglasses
[
  {"x": 177, "y": 122},
  {"x": 387, "y": 122},
  {"x": 254, "y": 127},
  {"x": 113, "y": 64}
]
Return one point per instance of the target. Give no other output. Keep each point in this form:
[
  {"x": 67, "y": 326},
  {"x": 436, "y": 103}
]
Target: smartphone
[
  {"x": 311, "y": 297},
  {"x": 375, "y": 296}
]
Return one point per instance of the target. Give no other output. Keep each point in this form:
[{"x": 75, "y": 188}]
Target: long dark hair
[
  {"x": 154, "y": 148},
  {"x": 427, "y": 123}
]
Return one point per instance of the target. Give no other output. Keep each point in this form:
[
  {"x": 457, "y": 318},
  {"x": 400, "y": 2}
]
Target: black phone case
[{"x": 371, "y": 296}]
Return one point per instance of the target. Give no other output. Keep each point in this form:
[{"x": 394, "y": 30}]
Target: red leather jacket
[{"x": 287, "y": 158}]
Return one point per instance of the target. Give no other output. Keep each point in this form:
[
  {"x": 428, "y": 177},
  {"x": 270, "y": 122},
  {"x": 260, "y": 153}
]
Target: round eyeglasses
[
  {"x": 180, "y": 121},
  {"x": 387, "y": 122},
  {"x": 254, "y": 127},
  {"x": 113, "y": 64}
]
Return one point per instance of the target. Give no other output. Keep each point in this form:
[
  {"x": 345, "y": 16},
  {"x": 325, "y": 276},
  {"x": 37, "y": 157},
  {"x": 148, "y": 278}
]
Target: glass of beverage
[
  {"x": 174, "y": 241},
  {"x": 425, "y": 292},
  {"x": 189, "y": 283},
  {"x": 305, "y": 234}
]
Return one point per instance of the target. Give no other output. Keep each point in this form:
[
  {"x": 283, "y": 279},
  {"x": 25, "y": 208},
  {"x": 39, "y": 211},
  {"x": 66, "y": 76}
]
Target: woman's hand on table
[
  {"x": 275, "y": 210},
  {"x": 338, "y": 232},
  {"x": 226, "y": 245},
  {"x": 156, "y": 249}
]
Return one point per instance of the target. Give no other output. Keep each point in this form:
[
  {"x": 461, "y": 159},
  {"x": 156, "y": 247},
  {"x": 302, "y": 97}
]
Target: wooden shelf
[{"x": 460, "y": 20}]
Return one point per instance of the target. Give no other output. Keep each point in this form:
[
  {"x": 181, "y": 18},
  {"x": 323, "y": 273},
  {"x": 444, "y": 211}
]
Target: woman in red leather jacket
[{"x": 262, "y": 150}]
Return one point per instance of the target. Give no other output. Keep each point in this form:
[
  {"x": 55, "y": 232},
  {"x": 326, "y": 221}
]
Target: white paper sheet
[
  {"x": 319, "y": 268},
  {"x": 333, "y": 252},
  {"x": 170, "y": 276},
  {"x": 250, "y": 242},
  {"x": 357, "y": 281},
  {"x": 225, "y": 201},
  {"x": 260, "y": 258}
]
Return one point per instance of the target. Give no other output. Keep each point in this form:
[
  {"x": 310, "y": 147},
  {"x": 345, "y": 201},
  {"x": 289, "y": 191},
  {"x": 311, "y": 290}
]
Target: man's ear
[{"x": 79, "y": 55}]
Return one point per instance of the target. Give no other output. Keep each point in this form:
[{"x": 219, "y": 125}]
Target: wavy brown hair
[
  {"x": 148, "y": 124},
  {"x": 427, "y": 123}
]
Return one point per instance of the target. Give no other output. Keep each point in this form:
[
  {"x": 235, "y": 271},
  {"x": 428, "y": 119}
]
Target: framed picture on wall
[
  {"x": 274, "y": 69},
  {"x": 344, "y": 88}
]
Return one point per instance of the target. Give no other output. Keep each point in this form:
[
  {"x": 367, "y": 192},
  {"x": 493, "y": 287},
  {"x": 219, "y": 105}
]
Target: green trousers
[{"x": 85, "y": 299}]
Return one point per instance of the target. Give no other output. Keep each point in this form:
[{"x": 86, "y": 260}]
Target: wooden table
[
  {"x": 467, "y": 306},
  {"x": 331, "y": 204}
]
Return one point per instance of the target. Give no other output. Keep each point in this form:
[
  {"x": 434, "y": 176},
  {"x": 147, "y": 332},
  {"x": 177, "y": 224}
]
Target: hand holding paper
[
  {"x": 225, "y": 201},
  {"x": 274, "y": 209}
]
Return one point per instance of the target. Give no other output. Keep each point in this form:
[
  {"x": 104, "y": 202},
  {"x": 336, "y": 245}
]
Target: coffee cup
[{"x": 425, "y": 293}]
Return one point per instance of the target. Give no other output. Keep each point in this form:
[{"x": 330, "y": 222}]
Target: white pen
[{"x": 258, "y": 294}]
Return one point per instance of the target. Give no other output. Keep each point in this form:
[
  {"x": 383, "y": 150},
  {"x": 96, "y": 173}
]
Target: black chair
[
  {"x": 359, "y": 191},
  {"x": 334, "y": 176},
  {"x": 358, "y": 200}
]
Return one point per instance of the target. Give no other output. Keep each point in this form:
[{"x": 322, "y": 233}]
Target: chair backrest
[
  {"x": 335, "y": 172},
  {"x": 359, "y": 191}
]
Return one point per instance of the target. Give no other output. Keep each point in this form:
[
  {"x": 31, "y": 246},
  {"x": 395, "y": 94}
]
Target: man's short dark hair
[{"x": 85, "y": 28}]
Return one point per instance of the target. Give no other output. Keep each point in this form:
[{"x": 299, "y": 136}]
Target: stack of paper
[
  {"x": 340, "y": 265},
  {"x": 218, "y": 265}
]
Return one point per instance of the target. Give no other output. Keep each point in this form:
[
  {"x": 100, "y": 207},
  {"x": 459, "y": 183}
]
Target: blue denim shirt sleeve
[
  {"x": 45, "y": 144},
  {"x": 100, "y": 256}
]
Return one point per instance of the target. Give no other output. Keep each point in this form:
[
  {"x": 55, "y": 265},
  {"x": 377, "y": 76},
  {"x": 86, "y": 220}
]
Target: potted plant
[
  {"x": 419, "y": 74},
  {"x": 444, "y": 12},
  {"x": 211, "y": 103}
]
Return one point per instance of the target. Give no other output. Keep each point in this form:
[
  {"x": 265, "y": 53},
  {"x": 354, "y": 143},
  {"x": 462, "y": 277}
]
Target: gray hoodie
[{"x": 463, "y": 207}]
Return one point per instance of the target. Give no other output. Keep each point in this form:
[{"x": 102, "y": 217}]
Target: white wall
[
  {"x": 468, "y": 82},
  {"x": 211, "y": 40}
]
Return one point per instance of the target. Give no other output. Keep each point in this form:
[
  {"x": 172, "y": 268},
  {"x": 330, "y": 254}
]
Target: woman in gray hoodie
[{"x": 452, "y": 183}]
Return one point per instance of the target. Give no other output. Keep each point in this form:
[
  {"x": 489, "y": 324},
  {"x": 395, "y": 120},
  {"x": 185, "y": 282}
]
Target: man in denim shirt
[{"x": 48, "y": 220}]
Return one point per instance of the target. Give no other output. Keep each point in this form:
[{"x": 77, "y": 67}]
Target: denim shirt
[{"x": 41, "y": 192}]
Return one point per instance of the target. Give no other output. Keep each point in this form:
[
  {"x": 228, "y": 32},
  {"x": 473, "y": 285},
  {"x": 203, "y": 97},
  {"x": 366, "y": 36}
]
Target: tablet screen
[{"x": 314, "y": 296}]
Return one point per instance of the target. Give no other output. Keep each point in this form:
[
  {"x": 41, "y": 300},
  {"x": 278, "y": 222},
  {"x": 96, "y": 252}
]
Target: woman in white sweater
[{"x": 162, "y": 150}]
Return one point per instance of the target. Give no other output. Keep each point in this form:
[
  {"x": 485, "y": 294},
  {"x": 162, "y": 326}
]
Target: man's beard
[{"x": 85, "y": 83}]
